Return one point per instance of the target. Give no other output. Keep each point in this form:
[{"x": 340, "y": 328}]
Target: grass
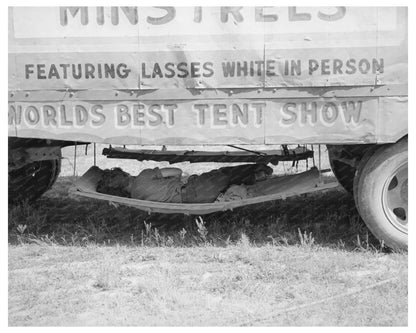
[
  {"x": 308, "y": 260},
  {"x": 238, "y": 285},
  {"x": 329, "y": 219}
]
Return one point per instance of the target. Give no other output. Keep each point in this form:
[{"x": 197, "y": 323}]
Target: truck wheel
[
  {"x": 381, "y": 193},
  {"x": 32, "y": 180},
  {"x": 343, "y": 172}
]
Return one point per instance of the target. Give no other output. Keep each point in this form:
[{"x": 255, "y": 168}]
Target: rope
[
  {"x": 319, "y": 163},
  {"x": 248, "y": 150},
  {"x": 353, "y": 291},
  {"x": 313, "y": 156},
  {"x": 95, "y": 155},
  {"x": 75, "y": 159}
]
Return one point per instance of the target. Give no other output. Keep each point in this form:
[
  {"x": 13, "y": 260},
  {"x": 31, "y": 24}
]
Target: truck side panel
[{"x": 208, "y": 75}]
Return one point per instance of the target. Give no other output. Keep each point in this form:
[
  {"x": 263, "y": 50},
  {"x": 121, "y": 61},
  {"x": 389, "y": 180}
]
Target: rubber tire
[
  {"x": 27, "y": 186},
  {"x": 372, "y": 172},
  {"x": 343, "y": 172}
]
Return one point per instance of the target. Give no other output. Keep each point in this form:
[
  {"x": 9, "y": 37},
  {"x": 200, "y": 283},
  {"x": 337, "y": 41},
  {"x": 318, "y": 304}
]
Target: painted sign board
[{"x": 170, "y": 57}]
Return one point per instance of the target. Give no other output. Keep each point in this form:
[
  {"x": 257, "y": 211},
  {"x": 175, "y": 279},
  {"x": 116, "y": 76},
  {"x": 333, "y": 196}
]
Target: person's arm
[
  {"x": 247, "y": 173},
  {"x": 171, "y": 172},
  {"x": 157, "y": 173}
]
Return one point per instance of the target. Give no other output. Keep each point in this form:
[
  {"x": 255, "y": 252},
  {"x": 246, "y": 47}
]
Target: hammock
[{"x": 291, "y": 185}]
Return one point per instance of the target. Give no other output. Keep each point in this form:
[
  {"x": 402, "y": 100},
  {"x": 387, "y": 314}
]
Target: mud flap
[{"x": 290, "y": 185}]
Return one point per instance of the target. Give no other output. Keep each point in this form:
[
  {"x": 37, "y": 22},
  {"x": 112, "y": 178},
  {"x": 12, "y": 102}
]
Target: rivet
[
  {"x": 27, "y": 94},
  {"x": 11, "y": 94},
  {"x": 231, "y": 92},
  {"x": 116, "y": 93},
  {"x": 71, "y": 94}
]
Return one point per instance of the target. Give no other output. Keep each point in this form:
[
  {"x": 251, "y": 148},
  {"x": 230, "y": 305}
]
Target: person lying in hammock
[{"x": 166, "y": 185}]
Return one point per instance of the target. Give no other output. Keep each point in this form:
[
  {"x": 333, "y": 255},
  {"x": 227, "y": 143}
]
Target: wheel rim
[{"x": 395, "y": 198}]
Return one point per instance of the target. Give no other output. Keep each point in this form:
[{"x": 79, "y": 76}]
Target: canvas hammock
[{"x": 290, "y": 185}]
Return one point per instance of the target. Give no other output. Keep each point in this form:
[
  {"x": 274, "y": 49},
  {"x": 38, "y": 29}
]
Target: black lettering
[
  {"x": 64, "y": 119},
  {"x": 201, "y": 114},
  {"x": 182, "y": 67},
  {"x": 208, "y": 69},
  {"x": 157, "y": 71},
  {"x": 100, "y": 15},
  {"x": 170, "y": 15},
  {"x": 313, "y": 66},
  {"x": 109, "y": 71},
  {"x": 195, "y": 69},
  {"x": 11, "y": 115},
  {"x": 63, "y": 14},
  {"x": 289, "y": 109},
  {"x": 153, "y": 112},
  {"x": 287, "y": 67},
  {"x": 74, "y": 73},
  {"x": 228, "y": 68},
  {"x": 242, "y": 69},
  {"x": 138, "y": 115},
  {"x": 339, "y": 14},
  {"x": 295, "y": 67},
  {"x": 32, "y": 115},
  {"x": 53, "y": 72},
  {"x": 239, "y": 115},
  {"x": 131, "y": 14},
  {"x": 41, "y": 71},
  {"x": 337, "y": 66},
  {"x": 15, "y": 116},
  {"x": 28, "y": 70},
  {"x": 122, "y": 71},
  {"x": 295, "y": 16},
  {"x": 65, "y": 70},
  {"x": 261, "y": 17},
  {"x": 325, "y": 68},
  {"x": 144, "y": 74},
  {"x": 251, "y": 68},
  {"x": 329, "y": 112},
  {"x": 351, "y": 68},
  {"x": 49, "y": 115},
  {"x": 171, "y": 113},
  {"x": 270, "y": 70},
  {"x": 169, "y": 67},
  {"x": 123, "y": 115},
  {"x": 198, "y": 14},
  {"x": 234, "y": 11},
  {"x": 378, "y": 66},
  {"x": 352, "y": 113},
  {"x": 89, "y": 71},
  {"x": 99, "y": 71},
  {"x": 260, "y": 66},
  {"x": 259, "y": 112},
  {"x": 81, "y": 115},
  {"x": 114, "y": 16},
  {"x": 308, "y": 112},
  {"x": 218, "y": 115},
  {"x": 364, "y": 66},
  {"x": 96, "y": 111}
]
